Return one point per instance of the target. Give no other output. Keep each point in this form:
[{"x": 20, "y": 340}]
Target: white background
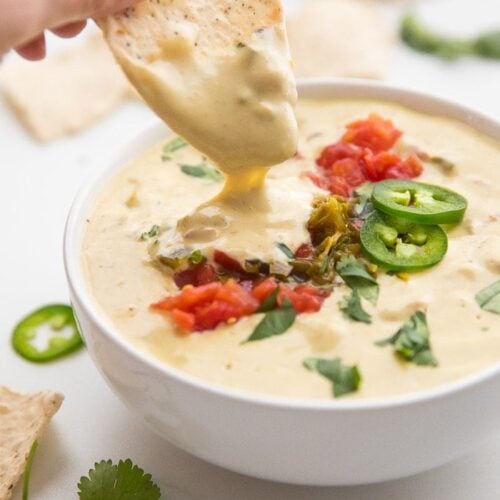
[{"x": 37, "y": 186}]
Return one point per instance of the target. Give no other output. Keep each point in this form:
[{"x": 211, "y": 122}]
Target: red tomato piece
[
  {"x": 319, "y": 180},
  {"x": 207, "y": 306},
  {"x": 350, "y": 170},
  {"x": 336, "y": 152},
  {"x": 201, "y": 274},
  {"x": 263, "y": 289},
  {"x": 185, "y": 321},
  {"x": 227, "y": 262},
  {"x": 386, "y": 165},
  {"x": 304, "y": 298},
  {"x": 305, "y": 250},
  {"x": 339, "y": 186},
  {"x": 374, "y": 133},
  {"x": 407, "y": 169}
]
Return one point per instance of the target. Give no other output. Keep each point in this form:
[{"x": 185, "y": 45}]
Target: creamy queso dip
[{"x": 150, "y": 191}]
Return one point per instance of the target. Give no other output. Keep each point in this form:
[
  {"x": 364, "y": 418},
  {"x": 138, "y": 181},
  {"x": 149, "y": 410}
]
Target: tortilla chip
[
  {"x": 23, "y": 420},
  {"x": 151, "y": 29},
  {"x": 67, "y": 91},
  {"x": 340, "y": 38}
]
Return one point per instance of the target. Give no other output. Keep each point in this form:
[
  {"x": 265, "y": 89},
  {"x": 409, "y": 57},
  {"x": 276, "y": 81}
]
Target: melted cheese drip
[{"x": 237, "y": 109}]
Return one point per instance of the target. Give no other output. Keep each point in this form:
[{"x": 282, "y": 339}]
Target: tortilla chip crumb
[{"x": 23, "y": 420}]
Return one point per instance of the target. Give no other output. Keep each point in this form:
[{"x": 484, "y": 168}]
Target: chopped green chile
[
  {"x": 419, "y": 202},
  {"x": 399, "y": 245},
  {"x": 55, "y": 322}
]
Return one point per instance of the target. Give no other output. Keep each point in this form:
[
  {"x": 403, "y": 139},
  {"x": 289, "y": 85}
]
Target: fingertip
[
  {"x": 69, "y": 30},
  {"x": 33, "y": 50}
]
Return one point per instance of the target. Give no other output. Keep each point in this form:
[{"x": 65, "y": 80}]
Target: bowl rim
[{"x": 319, "y": 87}]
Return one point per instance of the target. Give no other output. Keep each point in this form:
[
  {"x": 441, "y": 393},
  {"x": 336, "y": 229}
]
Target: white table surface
[{"x": 38, "y": 185}]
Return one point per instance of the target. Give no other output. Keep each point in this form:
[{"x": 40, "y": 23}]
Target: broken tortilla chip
[
  {"x": 67, "y": 91},
  {"x": 340, "y": 38},
  {"x": 23, "y": 420}
]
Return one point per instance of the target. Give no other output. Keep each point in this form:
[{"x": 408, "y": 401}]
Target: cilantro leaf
[
  {"x": 124, "y": 481},
  {"x": 203, "y": 171},
  {"x": 411, "y": 341},
  {"x": 354, "y": 273},
  {"x": 27, "y": 470},
  {"x": 489, "y": 298},
  {"x": 275, "y": 322},
  {"x": 172, "y": 146},
  {"x": 345, "y": 379},
  {"x": 364, "y": 207},
  {"x": 286, "y": 250},
  {"x": 351, "y": 306}
]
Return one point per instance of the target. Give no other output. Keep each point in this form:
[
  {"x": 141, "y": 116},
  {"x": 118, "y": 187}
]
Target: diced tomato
[
  {"x": 205, "y": 307},
  {"x": 263, "y": 289},
  {"x": 339, "y": 186},
  {"x": 386, "y": 165},
  {"x": 336, "y": 152},
  {"x": 196, "y": 276},
  {"x": 350, "y": 170},
  {"x": 407, "y": 169},
  {"x": 320, "y": 180},
  {"x": 305, "y": 250},
  {"x": 304, "y": 298},
  {"x": 227, "y": 262},
  {"x": 184, "y": 320},
  {"x": 374, "y": 133}
]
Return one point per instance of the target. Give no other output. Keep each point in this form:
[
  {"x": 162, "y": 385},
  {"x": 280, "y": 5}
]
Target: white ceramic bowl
[{"x": 318, "y": 443}]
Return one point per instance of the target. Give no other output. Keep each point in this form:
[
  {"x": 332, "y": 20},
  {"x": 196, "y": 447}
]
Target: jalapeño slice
[
  {"x": 47, "y": 334},
  {"x": 399, "y": 245},
  {"x": 419, "y": 202}
]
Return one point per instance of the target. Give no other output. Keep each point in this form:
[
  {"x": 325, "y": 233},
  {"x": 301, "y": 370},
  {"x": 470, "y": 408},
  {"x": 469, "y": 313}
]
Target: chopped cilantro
[
  {"x": 154, "y": 232},
  {"x": 362, "y": 283},
  {"x": 117, "y": 482},
  {"x": 196, "y": 257},
  {"x": 351, "y": 306},
  {"x": 364, "y": 206},
  {"x": 172, "y": 146},
  {"x": 27, "y": 470},
  {"x": 354, "y": 273},
  {"x": 489, "y": 298},
  {"x": 203, "y": 171},
  {"x": 411, "y": 341},
  {"x": 275, "y": 322},
  {"x": 345, "y": 379},
  {"x": 286, "y": 250}
]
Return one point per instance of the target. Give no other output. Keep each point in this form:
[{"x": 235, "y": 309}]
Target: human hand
[{"x": 22, "y": 22}]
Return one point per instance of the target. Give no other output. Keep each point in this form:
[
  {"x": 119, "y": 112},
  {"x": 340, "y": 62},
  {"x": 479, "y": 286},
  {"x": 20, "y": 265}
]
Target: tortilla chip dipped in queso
[{"x": 218, "y": 72}]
